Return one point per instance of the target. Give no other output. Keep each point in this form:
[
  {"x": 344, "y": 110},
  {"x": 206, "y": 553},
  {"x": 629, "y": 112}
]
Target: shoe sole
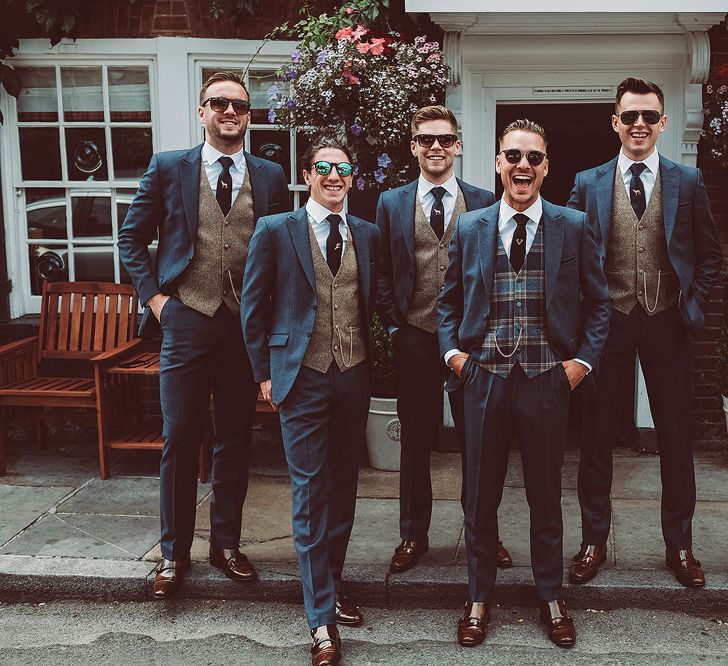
[
  {"x": 411, "y": 566},
  {"x": 231, "y": 576},
  {"x": 358, "y": 623}
]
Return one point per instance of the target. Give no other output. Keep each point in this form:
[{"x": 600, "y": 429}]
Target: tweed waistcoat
[
  {"x": 220, "y": 251},
  {"x": 516, "y": 331},
  {"x": 430, "y": 266},
  {"x": 337, "y": 335},
  {"x": 637, "y": 265}
]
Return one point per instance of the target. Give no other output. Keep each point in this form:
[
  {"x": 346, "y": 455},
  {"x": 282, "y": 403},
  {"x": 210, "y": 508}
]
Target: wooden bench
[{"x": 78, "y": 321}]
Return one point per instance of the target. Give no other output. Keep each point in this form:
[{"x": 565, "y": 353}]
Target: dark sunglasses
[
  {"x": 514, "y": 156},
  {"x": 220, "y": 105},
  {"x": 426, "y": 140},
  {"x": 323, "y": 168},
  {"x": 650, "y": 117}
]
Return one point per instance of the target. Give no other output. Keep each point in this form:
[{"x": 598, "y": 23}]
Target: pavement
[{"x": 65, "y": 534}]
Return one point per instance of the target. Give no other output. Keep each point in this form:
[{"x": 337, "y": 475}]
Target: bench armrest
[
  {"x": 113, "y": 355},
  {"x": 18, "y": 360}
]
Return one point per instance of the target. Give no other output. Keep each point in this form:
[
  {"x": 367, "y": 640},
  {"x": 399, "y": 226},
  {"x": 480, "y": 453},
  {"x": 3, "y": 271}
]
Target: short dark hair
[
  {"x": 324, "y": 141},
  {"x": 523, "y": 125},
  {"x": 638, "y": 87},
  {"x": 221, "y": 76},
  {"x": 435, "y": 112}
]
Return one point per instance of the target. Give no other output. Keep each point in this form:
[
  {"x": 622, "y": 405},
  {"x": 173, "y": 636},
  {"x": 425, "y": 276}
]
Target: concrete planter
[{"x": 383, "y": 434}]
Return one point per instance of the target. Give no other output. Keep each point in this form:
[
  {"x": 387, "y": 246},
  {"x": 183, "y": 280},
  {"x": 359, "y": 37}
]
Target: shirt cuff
[
  {"x": 588, "y": 366},
  {"x": 449, "y": 354}
]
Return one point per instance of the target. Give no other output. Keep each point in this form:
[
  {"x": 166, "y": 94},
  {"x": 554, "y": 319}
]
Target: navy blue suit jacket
[
  {"x": 167, "y": 205},
  {"x": 692, "y": 241},
  {"x": 396, "y": 222},
  {"x": 577, "y": 296},
  {"x": 279, "y": 301}
]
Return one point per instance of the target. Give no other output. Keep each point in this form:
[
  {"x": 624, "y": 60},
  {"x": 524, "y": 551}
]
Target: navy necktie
[
  {"x": 518, "y": 244},
  {"x": 334, "y": 243},
  {"x": 637, "y": 190},
  {"x": 224, "y": 192},
  {"x": 437, "y": 214}
]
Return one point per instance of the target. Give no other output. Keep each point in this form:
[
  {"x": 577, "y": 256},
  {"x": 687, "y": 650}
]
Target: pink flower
[
  {"x": 377, "y": 45},
  {"x": 359, "y": 32},
  {"x": 350, "y": 77},
  {"x": 363, "y": 48},
  {"x": 345, "y": 34},
  {"x": 348, "y": 10}
]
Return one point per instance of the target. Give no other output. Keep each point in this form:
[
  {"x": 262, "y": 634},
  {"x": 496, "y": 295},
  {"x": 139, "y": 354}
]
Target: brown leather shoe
[
  {"x": 504, "y": 559},
  {"x": 169, "y": 576},
  {"x": 559, "y": 624},
  {"x": 471, "y": 630},
  {"x": 407, "y": 554},
  {"x": 326, "y": 651},
  {"x": 688, "y": 570},
  {"x": 233, "y": 563},
  {"x": 347, "y": 613},
  {"x": 586, "y": 563}
]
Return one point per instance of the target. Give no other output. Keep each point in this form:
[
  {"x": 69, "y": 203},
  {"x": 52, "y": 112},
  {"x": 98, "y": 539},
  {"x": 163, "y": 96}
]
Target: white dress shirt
[
  {"x": 213, "y": 168},
  {"x": 317, "y": 215},
  {"x": 427, "y": 199},
  {"x": 648, "y": 176}
]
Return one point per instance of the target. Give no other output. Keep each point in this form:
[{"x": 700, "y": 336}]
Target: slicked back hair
[
  {"x": 325, "y": 141},
  {"x": 638, "y": 87},
  {"x": 221, "y": 76},
  {"x": 436, "y": 112},
  {"x": 523, "y": 125}
]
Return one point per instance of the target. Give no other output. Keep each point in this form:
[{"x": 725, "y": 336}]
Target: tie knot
[
  {"x": 438, "y": 193},
  {"x": 226, "y": 163},
  {"x": 334, "y": 219},
  {"x": 637, "y": 168},
  {"x": 520, "y": 219}
]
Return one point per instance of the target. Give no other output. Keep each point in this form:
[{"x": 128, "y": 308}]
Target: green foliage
[
  {"x": 721, "y": 366},
  {"x": 235, "y": 10},
  {"x": 384, "y": 385}
]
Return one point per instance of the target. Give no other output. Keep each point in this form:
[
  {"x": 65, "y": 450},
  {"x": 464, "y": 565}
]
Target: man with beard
[{"x": 202, "y": 204}]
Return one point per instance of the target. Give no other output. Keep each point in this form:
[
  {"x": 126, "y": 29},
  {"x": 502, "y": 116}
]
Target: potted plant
[
  {"x": 383, "y": 427},
  {"x": 721, "y": 369}
]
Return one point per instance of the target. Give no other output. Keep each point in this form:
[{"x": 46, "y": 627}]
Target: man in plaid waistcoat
[{"x": 522, "y": 319}]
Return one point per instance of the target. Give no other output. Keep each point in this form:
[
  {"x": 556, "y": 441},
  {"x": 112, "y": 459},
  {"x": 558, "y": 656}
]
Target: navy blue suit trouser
[
  {"x": 323, "y": 421},
  {"x": 201, "y": 356},
  {"x": 536, "y": 410}
]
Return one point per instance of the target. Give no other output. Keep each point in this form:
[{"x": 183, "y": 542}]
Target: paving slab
[
  {"x": 49, "y": 470},
  {"x": 21, "y": 505}
]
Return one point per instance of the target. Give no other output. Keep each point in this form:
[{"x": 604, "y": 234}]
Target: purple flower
[
  {"x": 290, "y": 103},
  {"x": 355, "y": 171},
  {"x": 296, "y": 56},
  {"x": 323, "y": 54},
  {"x": 384, "y": 161},
  {"x": 273, "y": 91},
  {"x": 356, "y": 129},
  {"x": 360, "y": 183},
  {"x": 379, "y": 176},
  {"x": 272, "y": 115},
  {"x": 290, "y": 74}
]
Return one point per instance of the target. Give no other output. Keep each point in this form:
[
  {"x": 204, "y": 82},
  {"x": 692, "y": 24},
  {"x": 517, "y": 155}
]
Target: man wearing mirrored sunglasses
[
  {"x": 416, "y": 223},
  {"x": 202, "y": 204},
  {"x": 310, "y": 288},
  {"x": 522, "y": 319},
  {"x": 661, "y": 257}
]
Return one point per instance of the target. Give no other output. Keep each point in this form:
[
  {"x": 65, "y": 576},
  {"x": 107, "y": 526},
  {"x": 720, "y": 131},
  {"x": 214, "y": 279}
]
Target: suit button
[
  {"x": 641, "y": 226},
  {"x": 226, "y": 246},
  {"x": 224, "y": 292},
  {"x": 308, "y": 334},
  {"x": 336, "y": 347},
  {"x": 442, "y": 267},
  {"x": 641, "y": 249},
  {"x": 336, "y": 307},
  {"x": 442, "y": 246},
  {"x": 518, "y": 304},
  {"x": 642, "y": 270},
  {"x": 226, "y": 223},
  {"x": 336, "y": 286}
]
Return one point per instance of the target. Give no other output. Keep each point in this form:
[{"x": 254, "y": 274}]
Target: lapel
[
  {"x": 670, "y": 177},
  {"x": 553, "y": 245},
  {"x": 487, "y": 238},
  {"x": 258, "y": 185},
  {"x": 470, "y": 195},
  {"x": 298, "y": 228},
  {"x": 604, "y": 187},
  {"x": 407, "y": 207},
  {"x": 361, "y": 249},
  {"x": 189, "y": 175}
]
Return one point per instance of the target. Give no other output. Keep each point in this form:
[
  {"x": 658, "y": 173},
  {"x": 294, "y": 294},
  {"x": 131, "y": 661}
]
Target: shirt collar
[
  {"x": 652, "y": 162},
  {"x": 319, "y": 213},
  {"x": 533, "y": 212},
  {"x": 210, "y": 155},
  {"x": 424, "y": 185}
]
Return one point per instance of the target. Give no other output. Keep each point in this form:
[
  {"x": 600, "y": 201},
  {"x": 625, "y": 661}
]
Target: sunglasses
[
  {"x": 514, "y": 156},
  {"x": 650, "y": 117},
  {"x": 427, "y": 140},
  {"x": 220, "y": 105},
  {"x": 323, "y": 168}
]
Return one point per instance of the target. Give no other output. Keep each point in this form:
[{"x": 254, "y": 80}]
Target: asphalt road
[{"x": 218, "y": 632}]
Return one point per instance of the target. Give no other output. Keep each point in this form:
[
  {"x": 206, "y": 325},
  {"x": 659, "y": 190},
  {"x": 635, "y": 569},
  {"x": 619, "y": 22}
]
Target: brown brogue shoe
[
  {"x": 347, "y": 613},
  {"x": 559, "y": 624},
  {"x": 169, "y": 576},
  {"x": 471, "y": 630},
  {"x": 407, "y": 554},
  {"x": 585, "y": 564},
  {"x": 233, "y": 563},
  {"x": 326, "y": 651},
  {"x": 504, "y": 559},
  {"x": 687, "y": 569}
]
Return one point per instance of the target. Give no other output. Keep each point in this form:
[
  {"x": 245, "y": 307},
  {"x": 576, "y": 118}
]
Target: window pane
[
  {"x": 46, "y": 263},
  {"x": 303, "y": 141},
  {"x": 40, "y": 153},
  {"x": 123, "y": 201},
  {"x": 129, "y": 94},
  {"x": 86, "y": 153},
  {"x": 82, "y": 98},
  {"x": 94, "y": 264},
  {"x": 91, "y": 215},
  {"x": 258, "y": 85},
  {"x": 273, "y": 145},
  {"x": 132, "y": 148},
  {"x": 45, "y": 210},
  {"x": 38, "y": 101}
]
